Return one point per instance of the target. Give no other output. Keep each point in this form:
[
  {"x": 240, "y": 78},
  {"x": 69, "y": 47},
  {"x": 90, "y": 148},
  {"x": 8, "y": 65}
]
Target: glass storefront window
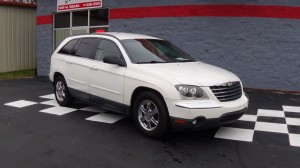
[
  {"x": 64, "y": 26},
  {"x": 79, "y": 31},
  {"x": 62, "y": 20},
  {"x": 80, "y": 18},
  {"x": 60, "y": 35}
]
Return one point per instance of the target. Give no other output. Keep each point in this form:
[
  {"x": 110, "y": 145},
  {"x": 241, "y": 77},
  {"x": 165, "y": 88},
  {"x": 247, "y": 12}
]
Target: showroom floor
[{"x": 36, "y": 132}]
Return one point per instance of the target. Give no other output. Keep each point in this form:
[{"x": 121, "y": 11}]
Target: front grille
[{"x": 227, "y": 92}]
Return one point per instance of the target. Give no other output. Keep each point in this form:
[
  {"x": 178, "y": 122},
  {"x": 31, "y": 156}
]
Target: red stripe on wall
[
  {"x": 286, "y": 12},
  {"x": 46, "y": 19},
  {"x": 207, "y": 10}
]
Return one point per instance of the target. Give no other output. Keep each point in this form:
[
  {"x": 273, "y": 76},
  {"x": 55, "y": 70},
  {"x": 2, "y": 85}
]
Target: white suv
[{"x": 148, "y": 78}]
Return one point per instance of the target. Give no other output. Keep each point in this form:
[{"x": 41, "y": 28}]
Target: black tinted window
[
  {"x": 80, "y": 18},
  {"x": 99, "y": 17},
  {"x": 62, "y": 20},
  {"x": 86, "y": 47},
  {"x": 68, "y": 48},
  {"x": 107, "y": 48}
]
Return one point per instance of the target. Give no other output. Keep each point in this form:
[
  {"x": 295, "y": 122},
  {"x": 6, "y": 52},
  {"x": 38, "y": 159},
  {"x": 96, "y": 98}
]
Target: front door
[{"x": 106, "y": 80}]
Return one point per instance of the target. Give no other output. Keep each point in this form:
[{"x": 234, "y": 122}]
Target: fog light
[{"x": 195, "y": 122}]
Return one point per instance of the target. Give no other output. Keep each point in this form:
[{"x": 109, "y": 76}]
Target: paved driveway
[{"x": 36, "y": 132}]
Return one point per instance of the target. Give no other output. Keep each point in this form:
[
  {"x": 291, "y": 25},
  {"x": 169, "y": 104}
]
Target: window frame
[
  {"x": 75, "y": 48},
  {"x": 119, "y": 48},
  {"x": 72, "y": 50},
  {"x": 100, "y": 39},
  {"x": 92, "y": 54}
]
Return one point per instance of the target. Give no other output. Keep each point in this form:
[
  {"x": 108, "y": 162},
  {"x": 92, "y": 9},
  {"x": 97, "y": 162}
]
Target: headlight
[{"x": 191, "y": 92}]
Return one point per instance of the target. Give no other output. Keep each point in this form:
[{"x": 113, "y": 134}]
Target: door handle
[
  {"x": 93, "y": 68},
  {"x": 69, "y": 62}
]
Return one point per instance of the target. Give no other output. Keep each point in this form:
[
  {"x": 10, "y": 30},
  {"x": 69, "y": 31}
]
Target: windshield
[{"x": 154, "y": 51}]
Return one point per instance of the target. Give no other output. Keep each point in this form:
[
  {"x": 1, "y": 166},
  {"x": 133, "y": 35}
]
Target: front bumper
[
  {"x": 205, "y": 113},
  {"x": 201, "y": 122}
]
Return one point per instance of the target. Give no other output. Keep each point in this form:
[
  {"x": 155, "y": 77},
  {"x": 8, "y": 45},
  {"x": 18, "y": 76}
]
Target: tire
[
  {"x": 61, "y": 91},
  {"x": 150, "y": 115}
]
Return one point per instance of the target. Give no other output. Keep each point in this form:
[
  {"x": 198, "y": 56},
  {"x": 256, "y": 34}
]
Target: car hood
[{"x": 191, "y": 73}]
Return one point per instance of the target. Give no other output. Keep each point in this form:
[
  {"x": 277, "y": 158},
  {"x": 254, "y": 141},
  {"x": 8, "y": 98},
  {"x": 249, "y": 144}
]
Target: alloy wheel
[
  {"x": 148, "y": 115},
  {"x": 60, "y": 91}
]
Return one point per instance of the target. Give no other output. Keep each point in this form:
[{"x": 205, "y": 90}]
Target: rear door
[{"x": 78, "y": 67}]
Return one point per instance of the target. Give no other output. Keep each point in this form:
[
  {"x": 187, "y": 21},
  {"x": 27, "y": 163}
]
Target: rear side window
[
  {"x": 87, "y": 47},
  {"x": 68, "y": 48}
]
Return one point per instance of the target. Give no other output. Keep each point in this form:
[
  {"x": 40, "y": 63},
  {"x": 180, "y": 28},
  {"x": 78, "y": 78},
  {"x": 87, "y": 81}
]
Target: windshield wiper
[
  {"x": 185, "y": 61},
  {"x": 151, "y": 62}
]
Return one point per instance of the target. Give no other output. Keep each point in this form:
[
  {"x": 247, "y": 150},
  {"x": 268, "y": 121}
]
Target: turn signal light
[{"x": 180, "y": 121}]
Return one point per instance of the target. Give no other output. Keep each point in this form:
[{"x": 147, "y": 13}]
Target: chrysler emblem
[{"x": 229, "y": 84}]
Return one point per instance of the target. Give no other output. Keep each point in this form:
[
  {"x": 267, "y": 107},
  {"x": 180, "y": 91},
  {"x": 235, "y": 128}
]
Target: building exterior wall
[
  {"x": 17, "y": 42},
  {"x": 263, "y": 51}
]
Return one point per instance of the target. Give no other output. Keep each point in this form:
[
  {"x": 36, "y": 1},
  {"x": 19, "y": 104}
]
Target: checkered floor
[
  {"x": 285, "y": 121},
  {"x": 100, "y": 116}
]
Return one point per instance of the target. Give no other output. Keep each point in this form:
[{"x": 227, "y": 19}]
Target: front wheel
[
  {"x": 151, "y": 115},
  {"x": 62, "y": 94}
]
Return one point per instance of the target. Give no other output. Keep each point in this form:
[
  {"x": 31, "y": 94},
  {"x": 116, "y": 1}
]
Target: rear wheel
[
  {"x": 62, "y": 94},
  {"x": 151, "y": 115}
]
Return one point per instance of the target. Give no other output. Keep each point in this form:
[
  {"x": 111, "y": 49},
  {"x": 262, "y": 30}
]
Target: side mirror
[{"x": 113, "y": 60}]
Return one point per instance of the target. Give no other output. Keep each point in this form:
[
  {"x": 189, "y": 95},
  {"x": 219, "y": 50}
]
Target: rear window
[{"x": 68, "y": 48}]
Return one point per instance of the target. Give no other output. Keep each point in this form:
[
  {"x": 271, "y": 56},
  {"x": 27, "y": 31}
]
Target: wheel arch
[
  {"x": 57, "y": 74},
  {"x": 140, "y": 90},
  {"x": 165, "y": 121}
]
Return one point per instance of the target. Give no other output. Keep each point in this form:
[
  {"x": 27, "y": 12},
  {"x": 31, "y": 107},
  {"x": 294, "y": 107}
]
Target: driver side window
[{"x": 107, "y": 48}]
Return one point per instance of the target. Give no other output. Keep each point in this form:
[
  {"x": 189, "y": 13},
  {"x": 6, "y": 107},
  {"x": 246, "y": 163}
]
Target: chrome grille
[{"x": 227, "y": 92}]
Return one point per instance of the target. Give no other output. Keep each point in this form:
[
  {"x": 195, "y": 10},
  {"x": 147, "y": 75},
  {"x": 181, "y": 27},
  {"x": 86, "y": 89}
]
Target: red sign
[{"x": 80, "y": 5}]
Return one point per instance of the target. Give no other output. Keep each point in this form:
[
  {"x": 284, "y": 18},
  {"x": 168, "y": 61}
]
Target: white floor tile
[
  {"x": 294, "y": 139},
  {"x": 247, "y": 117},
  {"x": 270, "y": 113},
  {"x": 50, "y": 96},
  {"x": 50, "y": 103},
  {"x": 20, "y": 103},
  {"x": 106, "y": 118},
  {"x": 271, "y": 127},
  {"x": 294, "y": 109},
  {"x": 292, "y": 121},
  {"x": 96, "y": 109},
  {"x": 235, "y": 134},
  {"x": 58, "y": 110}
]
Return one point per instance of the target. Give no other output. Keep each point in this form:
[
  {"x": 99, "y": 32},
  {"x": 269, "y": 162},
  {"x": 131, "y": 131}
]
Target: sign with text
[{"x": 67, "y": 5}]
